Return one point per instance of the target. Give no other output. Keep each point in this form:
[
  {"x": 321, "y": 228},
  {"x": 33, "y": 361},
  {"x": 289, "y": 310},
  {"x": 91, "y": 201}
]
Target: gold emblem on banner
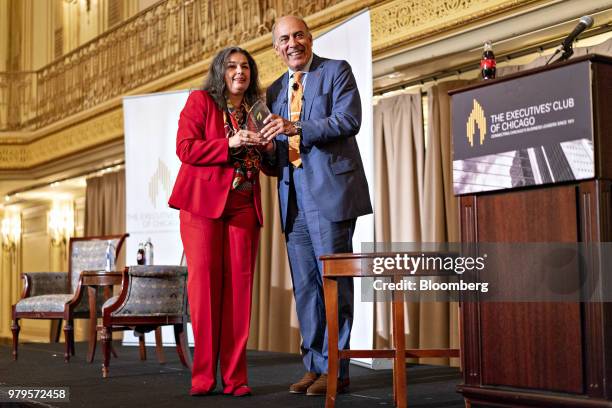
[
  {"x": 161, "y": 178},
  {"x": 476, "y": 118}
]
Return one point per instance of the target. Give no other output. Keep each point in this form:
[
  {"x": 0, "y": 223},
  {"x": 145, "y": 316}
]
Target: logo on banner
[
  {"x": 478, "y": 120},
  {"x": 159, "y": 180}
]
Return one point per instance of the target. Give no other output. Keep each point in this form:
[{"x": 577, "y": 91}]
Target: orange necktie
[{"x": 297, "y": 91}]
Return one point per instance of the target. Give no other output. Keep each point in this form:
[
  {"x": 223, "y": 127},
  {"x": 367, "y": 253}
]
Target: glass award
[{"x": 256, "y": 116}]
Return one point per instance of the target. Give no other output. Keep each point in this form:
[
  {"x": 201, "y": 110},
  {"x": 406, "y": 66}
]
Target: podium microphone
[
  {"x": 566, "y": 46},
  {"x": 584, "y": 23}
]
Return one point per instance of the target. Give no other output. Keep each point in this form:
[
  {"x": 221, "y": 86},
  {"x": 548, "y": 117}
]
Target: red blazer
[{"x": 205, "y": 177}]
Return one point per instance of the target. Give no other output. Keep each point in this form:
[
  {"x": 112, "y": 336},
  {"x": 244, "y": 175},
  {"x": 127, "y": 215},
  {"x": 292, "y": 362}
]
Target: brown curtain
[
  {"x": 414, "y": 203},
  {"x": 440, "y": 218},
  {"x": 105, "y": 204},
  {"x": 399, "y": 155},
  {"x": 105, "y": 208}
]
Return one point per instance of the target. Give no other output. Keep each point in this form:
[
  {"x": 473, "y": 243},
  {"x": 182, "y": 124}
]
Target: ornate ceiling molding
[{"x": 402, "y": 21}]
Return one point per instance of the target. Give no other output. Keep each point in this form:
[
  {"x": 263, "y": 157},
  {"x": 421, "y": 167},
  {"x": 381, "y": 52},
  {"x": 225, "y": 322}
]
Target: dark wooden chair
[
  {"x": 359, "y": 266},
  {"x": 58, "y": 295},
  {"x": 151, "y": 296}
]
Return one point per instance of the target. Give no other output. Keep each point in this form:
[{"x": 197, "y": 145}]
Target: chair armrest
[
  {"x": 157, "y": 271},
  {"x": 123, "y": 294},
  {"x": 151, "y": 290},
  {"x": 44, "y": 283}
]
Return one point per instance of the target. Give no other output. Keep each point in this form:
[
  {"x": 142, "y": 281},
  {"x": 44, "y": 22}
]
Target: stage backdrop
[{"x": 151, "y": 165}]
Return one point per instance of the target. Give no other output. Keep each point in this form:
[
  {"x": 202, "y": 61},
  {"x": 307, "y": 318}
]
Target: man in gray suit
[{"x": 322, "y": 188}]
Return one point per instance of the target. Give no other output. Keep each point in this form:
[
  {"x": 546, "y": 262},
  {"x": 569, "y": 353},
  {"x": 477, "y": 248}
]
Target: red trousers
[{"x": 221, "y": 256}]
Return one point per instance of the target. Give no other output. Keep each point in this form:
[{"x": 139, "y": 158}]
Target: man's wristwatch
[{"x": 298, "y": 127}]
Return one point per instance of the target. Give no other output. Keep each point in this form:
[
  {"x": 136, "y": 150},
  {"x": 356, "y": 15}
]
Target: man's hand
[{"x": 275, "y": 125}]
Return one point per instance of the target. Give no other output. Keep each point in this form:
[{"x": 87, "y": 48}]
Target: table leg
[
  {"x": 330, "y": 289},
  {"x": 142, "y": 347},
  {"x": 159, "y": 346},
  {"x": 394, "y": 328},
  {"x": 92, "y": 292},
  {"x": 400, "y": 350}
]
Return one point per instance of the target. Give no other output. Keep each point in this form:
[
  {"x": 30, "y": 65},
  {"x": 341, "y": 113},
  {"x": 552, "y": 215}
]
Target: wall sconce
[
  {"x": 60, "y": 223},
  {"x": 11, "y": 231}
]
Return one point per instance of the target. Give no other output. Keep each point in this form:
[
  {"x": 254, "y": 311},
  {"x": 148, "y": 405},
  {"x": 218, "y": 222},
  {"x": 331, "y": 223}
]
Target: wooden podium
[{"x": 542, "y": 354}]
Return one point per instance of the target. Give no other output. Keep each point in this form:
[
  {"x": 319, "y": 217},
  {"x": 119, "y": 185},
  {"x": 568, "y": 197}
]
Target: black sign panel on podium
[{"x": 533, "y": 130}]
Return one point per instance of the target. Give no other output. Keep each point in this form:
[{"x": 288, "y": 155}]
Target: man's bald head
[
  {"x": 282, "y": 19},
  {"x": 292, "y": 42}
]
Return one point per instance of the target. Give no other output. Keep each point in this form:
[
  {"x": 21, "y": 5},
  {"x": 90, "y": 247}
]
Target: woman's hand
[{"x": 245, "y": 138}]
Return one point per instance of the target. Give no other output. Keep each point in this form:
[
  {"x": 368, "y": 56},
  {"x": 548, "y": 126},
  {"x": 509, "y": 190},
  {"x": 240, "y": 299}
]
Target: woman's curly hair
[{"x": 215, "y": 85}]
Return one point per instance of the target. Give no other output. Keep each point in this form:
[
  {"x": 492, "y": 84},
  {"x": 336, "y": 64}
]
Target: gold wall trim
[
  {"x": 14, "y": 156},
  {"x": 396, "y": 23},
  {"x": 94, "y": 132},
  {"x": 81, "y": 136},
  {"x": 402, "y": 21}
]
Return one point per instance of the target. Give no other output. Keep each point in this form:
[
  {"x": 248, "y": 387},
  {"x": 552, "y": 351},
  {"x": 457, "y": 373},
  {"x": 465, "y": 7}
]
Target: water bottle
[
  {"x": 487, "y": 63},
  {"x": 148, "y": 252},
  {"x": 140, "y": 255},
  {"x": 109, "y": 256}
]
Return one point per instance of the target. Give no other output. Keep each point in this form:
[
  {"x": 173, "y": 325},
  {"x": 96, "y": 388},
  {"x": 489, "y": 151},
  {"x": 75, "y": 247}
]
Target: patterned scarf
[{"x": 245, "y": 159}]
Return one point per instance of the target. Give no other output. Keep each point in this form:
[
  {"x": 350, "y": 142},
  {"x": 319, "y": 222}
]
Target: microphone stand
[
  {"x": 567, "y": 53},
  {"x": 568, "y": 43},
  {"x": 557, "y": 51}
]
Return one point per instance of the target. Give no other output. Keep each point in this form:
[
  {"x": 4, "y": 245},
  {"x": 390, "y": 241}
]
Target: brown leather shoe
[
  {"x": 319, "y": 387},
  {"x": 301, "y": 386}
]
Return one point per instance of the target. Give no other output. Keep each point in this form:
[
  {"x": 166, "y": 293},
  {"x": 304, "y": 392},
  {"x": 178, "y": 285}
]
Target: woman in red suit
[{"x": 218, "y": 193}]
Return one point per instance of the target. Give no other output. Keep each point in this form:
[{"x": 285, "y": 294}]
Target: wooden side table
[
  {"x": 92, "y": 280},
  {"x": 350, "y": 266}
]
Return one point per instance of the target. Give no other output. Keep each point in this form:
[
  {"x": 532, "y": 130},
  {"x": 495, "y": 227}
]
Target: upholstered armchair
[
  {"x": 58, "y": 295},
  {"x": 151, "y": 296}
]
